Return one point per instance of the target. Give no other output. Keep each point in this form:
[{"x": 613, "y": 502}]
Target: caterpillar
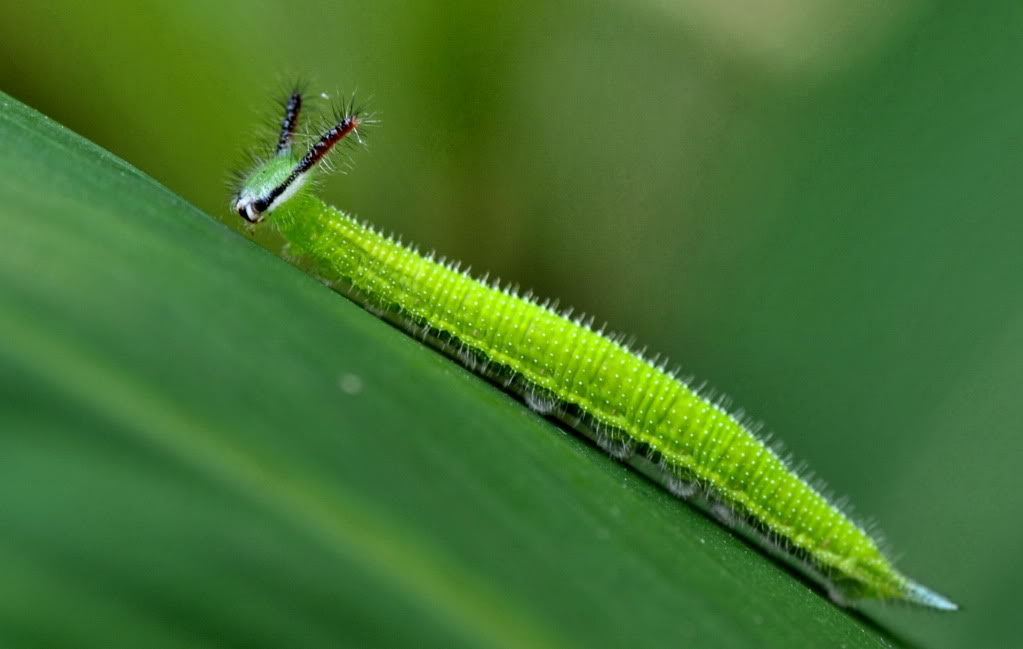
[{"x": 560, "y": 365}]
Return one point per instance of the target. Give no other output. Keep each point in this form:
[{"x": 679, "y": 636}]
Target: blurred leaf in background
[{"x": 814, "y": 206}]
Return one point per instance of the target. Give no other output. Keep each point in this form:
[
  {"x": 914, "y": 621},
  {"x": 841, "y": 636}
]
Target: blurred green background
[{"x": 813, "y": 205}]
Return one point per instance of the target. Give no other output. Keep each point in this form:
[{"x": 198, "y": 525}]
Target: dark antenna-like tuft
[
  {"x": 292, "y": 110},
  {"x": 341, "y": 129}
]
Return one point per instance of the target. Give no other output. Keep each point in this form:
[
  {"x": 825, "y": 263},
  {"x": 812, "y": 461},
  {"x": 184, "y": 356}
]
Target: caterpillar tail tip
[{"x": 924, "y": 596}]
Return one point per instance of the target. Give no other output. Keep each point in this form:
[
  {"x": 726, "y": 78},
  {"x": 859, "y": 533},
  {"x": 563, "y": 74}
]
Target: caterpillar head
[
  {"x": 268, "y": 187},
  {"x": 274, "y": 181}
]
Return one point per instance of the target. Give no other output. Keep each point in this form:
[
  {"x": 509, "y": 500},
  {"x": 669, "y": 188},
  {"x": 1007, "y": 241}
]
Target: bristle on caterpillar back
[{"x": 689, "y": 438}]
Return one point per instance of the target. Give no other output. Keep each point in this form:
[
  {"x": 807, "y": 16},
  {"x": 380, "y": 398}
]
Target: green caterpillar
[{"x": 632, "y": 407}]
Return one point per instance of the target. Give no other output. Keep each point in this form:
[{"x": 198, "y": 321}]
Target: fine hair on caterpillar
[{"x": 687, "y": 438}]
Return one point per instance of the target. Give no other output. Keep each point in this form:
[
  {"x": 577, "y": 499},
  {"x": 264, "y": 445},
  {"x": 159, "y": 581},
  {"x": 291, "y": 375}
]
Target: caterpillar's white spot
[
  {"x": 684, "y": 489},
  {"x": 615, "y": 445},
  {"x": 837, "y": 596},
  {"x": 724, "y": 514}
]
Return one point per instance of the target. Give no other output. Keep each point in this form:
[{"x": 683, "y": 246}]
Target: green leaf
[{"x": 203, "y": 446}]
